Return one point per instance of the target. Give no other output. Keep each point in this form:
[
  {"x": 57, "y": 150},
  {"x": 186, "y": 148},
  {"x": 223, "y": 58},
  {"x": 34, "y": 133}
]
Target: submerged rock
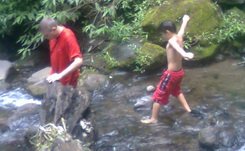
[{"x": 217, "y": 137}]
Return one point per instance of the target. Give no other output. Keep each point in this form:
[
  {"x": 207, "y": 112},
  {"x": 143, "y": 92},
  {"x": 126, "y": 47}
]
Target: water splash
[{"x": 16, "y": 98}]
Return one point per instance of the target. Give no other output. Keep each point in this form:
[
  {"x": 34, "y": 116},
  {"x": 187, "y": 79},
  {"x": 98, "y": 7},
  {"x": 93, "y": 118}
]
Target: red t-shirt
[{"x": 63, "y": 50}]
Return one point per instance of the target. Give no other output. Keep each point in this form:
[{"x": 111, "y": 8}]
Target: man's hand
[
  {"x": 186, "y": 18},
  {"x": 189, "y": 56},
  {"x": 54, "y": 77}
]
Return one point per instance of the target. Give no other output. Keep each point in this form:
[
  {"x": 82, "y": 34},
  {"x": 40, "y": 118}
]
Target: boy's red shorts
[{"x": 169, "y": 84}]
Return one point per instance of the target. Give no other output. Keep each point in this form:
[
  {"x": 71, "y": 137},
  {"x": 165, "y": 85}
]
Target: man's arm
[
  {"x": 180, "y": 50},
  {"x": 73, "y": 66},
  {"x": 185, "y": 20}
]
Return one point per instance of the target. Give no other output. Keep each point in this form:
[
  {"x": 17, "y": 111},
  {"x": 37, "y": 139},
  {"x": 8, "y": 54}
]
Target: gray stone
[
  {"x": 64, "y": 102},
  {"x": 36, "y": 82},
  {"x": 63, "y": 145},
  {"x": 5, "y": 69},
  {"x": 39, "y": 75},
  {"x": 208, "y": 138},
  {"x": 93, "y": 81}
]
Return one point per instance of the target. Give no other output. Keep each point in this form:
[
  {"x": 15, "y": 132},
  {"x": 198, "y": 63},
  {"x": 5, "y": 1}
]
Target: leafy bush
[
  {"x": 23, "y": 16},
  {"x": 117, "y": 20},
  {"x": 232, "y": 28}
]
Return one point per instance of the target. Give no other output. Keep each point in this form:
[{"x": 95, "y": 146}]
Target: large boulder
[
  {"x": 36, "y": 82},
  {"x": 205, "y": 17},
  {"x": 120, "y": 55},
  {"x": 64, "y": 102},
  {"x": 212, "y": 138},
  {"x": 92, "y": 80},
  {"x": 136, "y": 56},
  {"x": 149, "y": 57}
]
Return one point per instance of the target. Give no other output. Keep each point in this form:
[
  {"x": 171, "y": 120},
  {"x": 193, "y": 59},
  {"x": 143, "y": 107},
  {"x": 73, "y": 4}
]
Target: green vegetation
[
  {"x": 110, "y": 19},
  {"x": 110, "y": 61},
  {"x": 123, "y": 20},
  {"x": 21, "y": 17},
  {"x": 149, "y": 57},
  {"x": 232, "y": 28}
]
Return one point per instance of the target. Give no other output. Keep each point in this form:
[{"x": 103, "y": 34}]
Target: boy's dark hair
[{"x": 167, "y": 25}]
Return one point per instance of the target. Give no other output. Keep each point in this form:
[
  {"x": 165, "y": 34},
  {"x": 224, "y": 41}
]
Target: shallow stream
[{"x": 216, "y": 91}]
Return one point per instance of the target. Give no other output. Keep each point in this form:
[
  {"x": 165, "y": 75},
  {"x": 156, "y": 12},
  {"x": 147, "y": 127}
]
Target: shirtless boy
[{"x": 172, "y": 77}]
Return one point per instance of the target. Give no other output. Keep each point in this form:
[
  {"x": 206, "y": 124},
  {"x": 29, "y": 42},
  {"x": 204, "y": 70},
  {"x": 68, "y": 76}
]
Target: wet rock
[
  {"x": 3, "y": 85},
  {"x": 3, "y": 125},
  {"x": 39, "y": 75},
  {"x": 150, "y": 88},
  {"x": 6, "y": 70},
  {"x": 85, "y": 131},
  {"x": 217, "y": 137},
  {"x": 64, "y": 101},
  {"x": 143, "y": 102},
  {"x": 93, "y": 81},
  {"x": 208, "y": 138},
  {"x": 150, "y": 57},
  {"x": 63, "y": 145},
  {"x": 227, "y": 137},
  {"x": 36, "y": 82},
  {"x": 120, "y": 55},
  {"x": 24, "y": 111}
]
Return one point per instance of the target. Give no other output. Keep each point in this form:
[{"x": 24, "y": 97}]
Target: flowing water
[
  {"x": 14, "y": 116},
  {"x": 216, "y": 91}
]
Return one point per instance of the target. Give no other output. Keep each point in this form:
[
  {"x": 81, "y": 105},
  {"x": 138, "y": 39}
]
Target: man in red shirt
[{"x": 65, "y": 54}]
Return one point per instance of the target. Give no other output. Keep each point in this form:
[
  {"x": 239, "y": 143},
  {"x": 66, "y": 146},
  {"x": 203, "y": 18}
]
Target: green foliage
[
  {"x": 119, "y": 20},
  {"x": 232, "y": 28},
  {"x": 110, "y": 61},
  {"x": 23, "y": 16},
  {"x": 142, "y": 60}
]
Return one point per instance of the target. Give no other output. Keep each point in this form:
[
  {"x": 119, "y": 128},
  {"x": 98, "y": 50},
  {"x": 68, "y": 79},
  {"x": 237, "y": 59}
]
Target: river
[{"x": 216, "y": 91}]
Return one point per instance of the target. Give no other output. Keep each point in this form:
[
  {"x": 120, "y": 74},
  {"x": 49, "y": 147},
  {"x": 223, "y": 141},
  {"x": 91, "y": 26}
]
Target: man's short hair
[
  {"x": 167, "y": 25},
  {"x": 47, "y": 23}
]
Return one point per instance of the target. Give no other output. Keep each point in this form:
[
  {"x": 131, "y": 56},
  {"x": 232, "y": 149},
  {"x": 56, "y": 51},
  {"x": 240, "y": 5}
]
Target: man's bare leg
[
  {"x": 154, "y": 116},
  {"x": 183, "y": 102}
]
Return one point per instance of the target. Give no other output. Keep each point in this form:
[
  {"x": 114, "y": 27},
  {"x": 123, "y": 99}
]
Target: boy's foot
[
  {"x": 196, "y": 113},
  {"x": 149, "y": 121}
]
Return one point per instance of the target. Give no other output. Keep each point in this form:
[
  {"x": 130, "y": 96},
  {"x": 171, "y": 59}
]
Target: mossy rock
[
  {"x": 150, "y": 57},
  {"x": 120, "y": 55},
  {"x": 135, "y": 56},
  {"x": 204, "y": 53},
  {"x": 205, "y": 17}
]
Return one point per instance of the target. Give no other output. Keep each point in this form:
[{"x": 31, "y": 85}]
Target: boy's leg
[
  {"x": 183, "y": 102},
  {"x": 154, "y": 116}
]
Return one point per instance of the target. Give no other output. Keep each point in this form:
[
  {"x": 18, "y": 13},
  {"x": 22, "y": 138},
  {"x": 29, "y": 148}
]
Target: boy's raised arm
[
  {"x": 180, "y": 50},
  {"x": 185, "y": 20}
]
